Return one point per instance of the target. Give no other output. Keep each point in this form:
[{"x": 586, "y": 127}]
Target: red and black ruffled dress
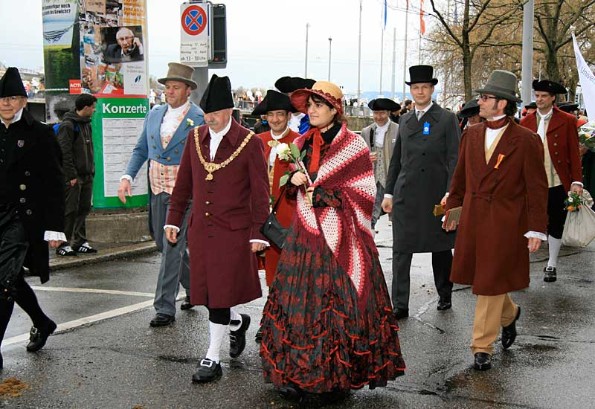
[{"x": 319, "y": 333}]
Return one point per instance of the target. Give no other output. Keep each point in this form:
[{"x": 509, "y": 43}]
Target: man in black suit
[
  {"x": 128, "y": 48},
  {"x": 31, "y": 207},
  {"x": 418, "y": 178}
]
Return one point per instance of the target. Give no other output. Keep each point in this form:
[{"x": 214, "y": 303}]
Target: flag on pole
[
  {"x": 385, "y": 10},
  {"x": 586, "y": 79},
  {"x": 422, "y": 23}
]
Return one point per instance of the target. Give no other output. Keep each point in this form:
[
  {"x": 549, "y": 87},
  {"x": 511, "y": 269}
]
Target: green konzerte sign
[{"x": 117, "y": 124}]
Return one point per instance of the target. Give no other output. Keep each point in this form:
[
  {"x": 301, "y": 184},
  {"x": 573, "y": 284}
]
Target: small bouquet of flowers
[
  {"x": 586, "y": 135},
  {"x": 291, "y": 153},
  {"x": 573, "y": 202}
]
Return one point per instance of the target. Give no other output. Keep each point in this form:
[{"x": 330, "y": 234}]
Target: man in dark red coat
[
  {"x": 224, "y": 172},
  {"x": 501, "y": 185},
  {"x": 562, "y": 162}
]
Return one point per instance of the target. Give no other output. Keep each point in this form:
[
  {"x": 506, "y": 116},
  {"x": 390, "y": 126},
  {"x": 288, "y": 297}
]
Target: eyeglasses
[
  {"x": 484, "y": 98},
  {"x": 10, "y": 99}
]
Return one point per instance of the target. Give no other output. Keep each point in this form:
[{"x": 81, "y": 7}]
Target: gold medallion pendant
[{"x": 212, "y": 167}]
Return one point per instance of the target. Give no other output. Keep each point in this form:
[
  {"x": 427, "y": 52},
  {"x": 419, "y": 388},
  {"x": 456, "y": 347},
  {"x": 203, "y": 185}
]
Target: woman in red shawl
[{"x": 328, "y": 325}]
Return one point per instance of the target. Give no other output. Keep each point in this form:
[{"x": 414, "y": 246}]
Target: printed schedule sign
[{"x": 120, "y": 122}]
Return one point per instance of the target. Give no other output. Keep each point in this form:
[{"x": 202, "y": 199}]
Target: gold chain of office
[{"x": 211, "y": 167}]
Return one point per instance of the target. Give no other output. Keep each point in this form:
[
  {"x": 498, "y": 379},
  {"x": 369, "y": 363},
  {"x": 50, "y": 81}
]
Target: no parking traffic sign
[{"x": 195, "y": 44}]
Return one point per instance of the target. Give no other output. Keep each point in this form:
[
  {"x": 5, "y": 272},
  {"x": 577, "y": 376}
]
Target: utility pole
[
  {"x": 405, "y": 49},
  {"x": 359, "y": 52},
  {"x": 392, "y": 82},
  {"x": 381, "y": 59},
  {"x": 330, "y": 43},
  {"x": 306, "y": 63},
  {"x": 527, "y": 55}
]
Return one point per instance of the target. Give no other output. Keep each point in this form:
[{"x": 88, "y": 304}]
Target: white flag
[{"x": 586, "y": 79}]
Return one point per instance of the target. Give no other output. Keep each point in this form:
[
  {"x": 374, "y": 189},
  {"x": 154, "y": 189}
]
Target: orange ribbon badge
[{"x": 500, "y": 158}]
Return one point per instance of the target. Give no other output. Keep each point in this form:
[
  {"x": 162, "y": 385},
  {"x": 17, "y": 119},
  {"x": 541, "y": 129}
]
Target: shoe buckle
[{"x": 207, "y": 363}]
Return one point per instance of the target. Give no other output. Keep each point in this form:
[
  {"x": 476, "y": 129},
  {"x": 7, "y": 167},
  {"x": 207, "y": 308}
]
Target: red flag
[{"x": 422, "y": 23}]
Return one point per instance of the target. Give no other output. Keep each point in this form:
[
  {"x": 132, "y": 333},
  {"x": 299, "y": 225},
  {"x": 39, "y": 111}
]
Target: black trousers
[
  {"x": 13, "y": 287},
  {"x": 77, "y": 208},
  {"x": 556, "y": 212},
  {"x": 441, "y": 265}
]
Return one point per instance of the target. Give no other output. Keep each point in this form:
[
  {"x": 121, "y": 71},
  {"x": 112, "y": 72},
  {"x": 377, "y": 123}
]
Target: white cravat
[
  {"x": 273, "y": 154},
  {"x": 170, "y": 122},
  {"x": 543, "y": 119},
  {"x": 216, "y": 138},
  {"x": 379, "y": 134}
]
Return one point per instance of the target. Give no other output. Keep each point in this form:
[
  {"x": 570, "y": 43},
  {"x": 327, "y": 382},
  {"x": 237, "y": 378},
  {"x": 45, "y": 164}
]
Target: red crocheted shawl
[{"x": 347, "y": 230}]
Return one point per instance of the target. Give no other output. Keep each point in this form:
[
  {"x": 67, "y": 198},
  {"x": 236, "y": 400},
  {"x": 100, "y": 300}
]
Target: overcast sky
[{"x": 266, "y": 39}]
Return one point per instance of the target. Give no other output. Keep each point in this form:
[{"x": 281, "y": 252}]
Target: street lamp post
[
  {"x": 330, "y": 42},
  {"x": 306, "y": 63}
]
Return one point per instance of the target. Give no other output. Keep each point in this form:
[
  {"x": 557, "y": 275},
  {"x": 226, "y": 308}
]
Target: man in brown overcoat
[
  {"x": 501, "y": 185},
  {"x": 224, "y": 172}
]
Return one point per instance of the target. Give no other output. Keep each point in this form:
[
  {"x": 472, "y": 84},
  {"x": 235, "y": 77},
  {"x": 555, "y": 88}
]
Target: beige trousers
[{"x": 491, "y": 313}]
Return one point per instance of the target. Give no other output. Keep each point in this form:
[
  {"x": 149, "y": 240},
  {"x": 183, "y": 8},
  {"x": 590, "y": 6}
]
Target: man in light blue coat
[{"x": 162, "y": 143}]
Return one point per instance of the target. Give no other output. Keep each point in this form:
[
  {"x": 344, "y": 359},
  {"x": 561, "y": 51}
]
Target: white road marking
[
  {"x": 66, "y": 326},
  {"x": 91, "y": 290}
]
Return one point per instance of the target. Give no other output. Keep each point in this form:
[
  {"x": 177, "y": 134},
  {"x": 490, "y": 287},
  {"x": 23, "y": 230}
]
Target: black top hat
[
  {"x": 471, "y": 108},
  {"x": 421, "y": 73},
  {"x": 502, "y": 84},
  {"x": 383, "y": 104},
  {"x": 532, "y": 105},
  {"x": 217, "y": 96},
  {"x": 290, "y": 84},
  {"x": 11, "y": 84},
  {"x": 549, "y": 86},
  {"x": 568, "y": 106},
  {"x": 273, "y": 101}
]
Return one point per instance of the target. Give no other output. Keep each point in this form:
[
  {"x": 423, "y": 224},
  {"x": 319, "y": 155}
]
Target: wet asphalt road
[{"x": 105, "y": 355}]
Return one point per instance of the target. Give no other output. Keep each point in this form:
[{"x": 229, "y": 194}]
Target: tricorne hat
[
  {"x": 11, "y": 84},
  {"x": 549, "y": 86},
  {"x": 273, "y": 101},
  {"x": 567, "y": 106},
  {"x": 327, "y": 90},
  {"x": 502, "y": 84},
  {"x": 217, "y": 96},
  {"x": 383, "y": 104},
  {"x": 471, "y": 108},
  {"x": 290, "y": 84},
  {"x": 531, "y": 105},
  {"x": 179, "y": 72},
  {"x": 421, "y": 73}
]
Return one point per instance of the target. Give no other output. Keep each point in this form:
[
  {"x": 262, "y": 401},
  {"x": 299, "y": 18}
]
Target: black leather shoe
[
  {"x": 162, "y": 320},
  {"x": 186, "y": 304},
  {"x": 483, "y": 361},
  {"x": 444, "y": 304},
  {"x": 39, "y": 336},
  {"x": 549, "y": 275},
  {"x": 237, "y": 339},
  {"x": 291, "y": 392},
  {"x": 207, "y": 371},
  {"x": 401, "y": 313},
  {"x": 509, "y": 332}
]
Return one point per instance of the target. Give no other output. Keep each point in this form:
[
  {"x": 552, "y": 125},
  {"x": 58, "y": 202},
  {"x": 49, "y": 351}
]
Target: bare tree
[{"x": 480, "y": 18}]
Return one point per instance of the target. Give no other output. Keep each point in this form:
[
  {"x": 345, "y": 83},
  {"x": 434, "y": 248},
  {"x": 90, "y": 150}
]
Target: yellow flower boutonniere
[
  {"x": 500, "y": 159},
  {"x": 189, "y": 122}
]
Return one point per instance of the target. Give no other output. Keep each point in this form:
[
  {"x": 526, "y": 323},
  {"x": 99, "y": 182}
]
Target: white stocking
[
  {"x": 216, "y": 335},
  {"x": 554, "y": 249}
]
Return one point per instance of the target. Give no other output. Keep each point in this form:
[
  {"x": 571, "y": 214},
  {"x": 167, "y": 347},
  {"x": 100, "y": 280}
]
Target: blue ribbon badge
[{"x": 426, "y": 129}]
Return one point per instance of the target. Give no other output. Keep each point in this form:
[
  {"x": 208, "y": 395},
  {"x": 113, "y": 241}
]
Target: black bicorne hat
[
  {"x": 274, "y": 101},
  {"x": 549, "y": 86},
  {"x": 383, "y": 104},
  {"x": 217, "y": 96},
  {"x": 11, "y": 84},
  {"x": 291, "y": 84}
]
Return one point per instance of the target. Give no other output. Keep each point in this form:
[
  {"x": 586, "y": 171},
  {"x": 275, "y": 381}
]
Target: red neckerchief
[
  {"x": 497, "y": 124},
  {"x": 317, "y": 142}
]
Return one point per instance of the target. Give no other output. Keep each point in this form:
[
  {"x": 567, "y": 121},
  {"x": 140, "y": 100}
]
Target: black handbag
[{"x": 272, "y": 229}]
